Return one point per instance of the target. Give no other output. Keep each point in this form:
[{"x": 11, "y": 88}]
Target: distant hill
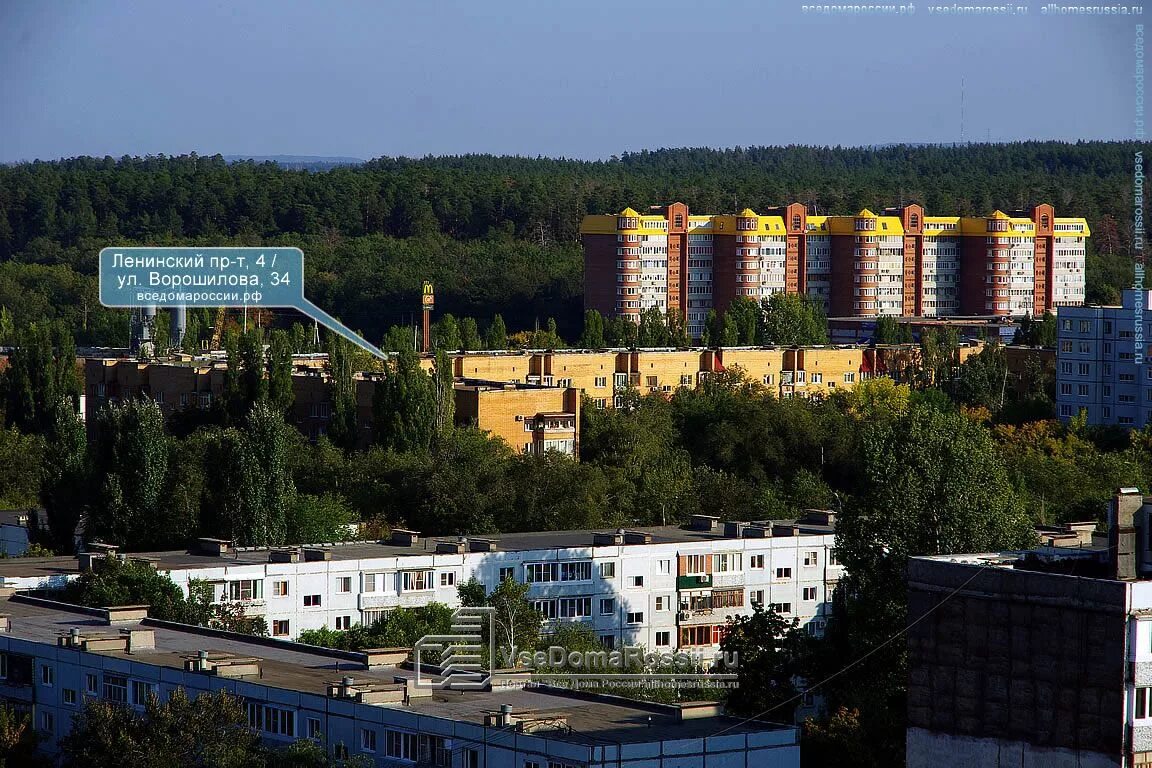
[{"x": 298, "y": 162}]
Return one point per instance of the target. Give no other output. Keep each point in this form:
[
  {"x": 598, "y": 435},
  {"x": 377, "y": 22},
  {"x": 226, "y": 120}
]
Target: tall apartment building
[
  {"x": 663, "y": 587},
  {"x": 55, "y": 658},
  {"x": 1039, "y": 658},
  {"x": 1098, "y": 372},
  {"x": 900, "y": 262}
]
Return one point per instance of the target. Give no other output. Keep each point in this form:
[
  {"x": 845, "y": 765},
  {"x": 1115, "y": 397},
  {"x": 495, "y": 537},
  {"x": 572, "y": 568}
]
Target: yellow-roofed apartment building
[{"x": 899, "y": 262}]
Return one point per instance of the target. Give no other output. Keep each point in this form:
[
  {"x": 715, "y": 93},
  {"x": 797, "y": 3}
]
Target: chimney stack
[{"x": 1122, "y": 533}]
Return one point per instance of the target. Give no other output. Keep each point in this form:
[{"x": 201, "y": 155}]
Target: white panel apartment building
[
  {"x": 55, "y": 658},
  {"x": 940, "y": 269},
  {"x": 663, "y": 588},
  {"x": 699, "y": 281},
  {"x": 1096, "y": 369}
]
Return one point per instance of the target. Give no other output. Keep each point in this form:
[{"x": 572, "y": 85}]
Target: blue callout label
[{"x": 212, "y": 277}]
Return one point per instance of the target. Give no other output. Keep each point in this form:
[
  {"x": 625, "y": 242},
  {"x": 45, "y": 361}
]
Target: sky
[{"x": 586, "y": 79}]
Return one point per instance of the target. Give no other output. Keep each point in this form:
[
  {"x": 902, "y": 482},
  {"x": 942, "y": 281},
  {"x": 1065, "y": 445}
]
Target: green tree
[
  {"x": 593, "y": 334},
  {"x": 652, "y": 331},
  {"x": 792, "y": 318},
  {"x": 280, "y": 391},
  {"x": 317, "y": 519},
  {"x": 130, "y": 468},
  {"x": 114, "y": 582},
  {"x": 1037, "y": 333},
  {"x": 19, "y": 740},
  {"x": 343, "y": 426},
  {"x": 982, "y": 380},
  {"x": 209, "y": 730},
  {"x": 266, "y": 438},
  {"x": 404, "y": 405},
  {"x": 768, "y": 650},
  {"x": 398, "y": 339},
  {"x": 730, "y": 333},
  {"x": 497, "y": 335},
  {"x": 41, "y": 372},
  {"x": 470, "y": 335},
  {"x": 746, "y": 315},
  {"x": 889, "y": 330},
  {"x": 446, "y": 334},
  {"x": 253, "y": 384},
  {"x": 445, "y": 394},
  {"x": 65, "y": 481}
]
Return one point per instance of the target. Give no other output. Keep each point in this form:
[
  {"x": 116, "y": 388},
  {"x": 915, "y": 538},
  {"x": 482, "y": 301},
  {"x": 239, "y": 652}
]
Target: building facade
[
  {"x": 900, "y": 262},
  {"x": 663, "y": 588},
  {"x": 55, "y": 658},
  {"x": 1101, "y": 362},
  {"x": 1039, "y": 658}
]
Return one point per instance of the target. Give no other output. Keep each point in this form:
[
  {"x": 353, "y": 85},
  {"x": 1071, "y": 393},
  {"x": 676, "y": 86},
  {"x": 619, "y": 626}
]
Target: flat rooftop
[
  {"x": 297, "y": 667},
  {"x": 45, "y": 567}
]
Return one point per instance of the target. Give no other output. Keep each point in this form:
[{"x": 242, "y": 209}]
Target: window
[
  {"x": 637, "y": 581},
  {"x": 782, "y": 607},
  {"x": 279, "y": 627},
  {"x": 142, "y": 691},
  {"x": 70, "y": 696},
  {"x": 507, "y": 574},
  {"x": 47, "y": 675},
  {"x": 810, "y": 558},
  {"x": 472, "y": 759},
  {"x": 663, "y": 638},
  {"x": 91, "y": 684},
  {"x": 47, "y": 722},
  {"x": 280, "y": 589},
  {"x": 607, "y": 606},
  {"x": 636, "y": 617},
  {"x": 401, "y": 746},
  {"x": 849, "y": 378},
  {"x": 447, "y": 579},
  {"x": 344, "y": 622},
  {"x": 541, "y": 572},
  {"x": 662, "y": 603},
  {"x": 728, "y": 561},
  {"x": 416, "y": 581},
  {"x": 273, "y": 720},
  {"x": 783, "y": 573},
  {"x": 575, "y": 607},
  {"x": 116, "y": 689},
  {"x": 809, "y": 593},
  {"x": 1141, "y": 704},
  {"x": 343, "y": 584},
  {"x": 369, "y": 582},
  {"x": 368, "y": 739},
  {"x": 664, "y": 566},
  {"x": 312, "y": 601},
  {"x": 313, "y": 728},
  {"x": 246, "y": 589},
  {"x": 756, "y": 597},
  {"x": 601, "y": 381},
  {"x": 608, "y": 642},
  {"x": 756, "y": 561},
  {"x": 694, "y": 564},
  {"x": 607, "y": 570}
]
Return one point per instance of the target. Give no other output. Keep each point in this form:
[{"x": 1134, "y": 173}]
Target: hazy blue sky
[{"x": 579, "y": 79}]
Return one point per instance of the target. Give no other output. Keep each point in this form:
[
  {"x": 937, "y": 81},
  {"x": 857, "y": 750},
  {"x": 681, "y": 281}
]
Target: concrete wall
[
  {"x": 1017, "y": 656},
  {"x": 926, "y": 749}
]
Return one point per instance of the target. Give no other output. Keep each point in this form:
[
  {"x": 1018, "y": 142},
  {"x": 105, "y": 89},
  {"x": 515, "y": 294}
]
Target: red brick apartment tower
[
  {"x": 677, "y": 215},
  {"x": 912, "y": 221},
  {"x": 1043, "y": 218},
  {"x": 984, "y": 259},
  {"x": 795, "y": 217},
  {"x": 735, "y": 264},
  {"x": 612, "y": 264},
  {"x": 855, "y": 268}
]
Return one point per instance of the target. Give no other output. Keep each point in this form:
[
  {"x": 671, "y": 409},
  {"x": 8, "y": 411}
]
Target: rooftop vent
[
  {"x": 637, "y": 537},
  {"x": 703, "y": 522},
  {"x": 819, "y": 517},
  {"x": 284, "y": 555},
  {"x": 213, "y": 547},
  {"x": 608, "y": 539},
  {"x": 754, "y": 531},
  {"x": 451, "y": 547},
  {"x": 481, "y": 545},
  {"x": 316, "y": 554},
  {"x": 734, "y": 529},
  {"x": 222, "y": 664},
  {"x": 402, "y": 537}
]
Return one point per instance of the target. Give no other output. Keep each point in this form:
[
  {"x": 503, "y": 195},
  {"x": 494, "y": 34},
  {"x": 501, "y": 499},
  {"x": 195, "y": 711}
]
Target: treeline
[{"x": 496, "y": 233}]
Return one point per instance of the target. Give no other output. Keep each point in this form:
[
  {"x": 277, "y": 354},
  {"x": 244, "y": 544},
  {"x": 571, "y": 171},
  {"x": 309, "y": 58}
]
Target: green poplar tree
[{"x": 497, "y": 336}]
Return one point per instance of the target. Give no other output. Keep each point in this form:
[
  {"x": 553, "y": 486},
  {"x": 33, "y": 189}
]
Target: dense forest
[{"x": 496, "y": 234}]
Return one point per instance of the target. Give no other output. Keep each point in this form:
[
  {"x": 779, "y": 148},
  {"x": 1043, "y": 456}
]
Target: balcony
[{"x": 693, "y": 582}]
